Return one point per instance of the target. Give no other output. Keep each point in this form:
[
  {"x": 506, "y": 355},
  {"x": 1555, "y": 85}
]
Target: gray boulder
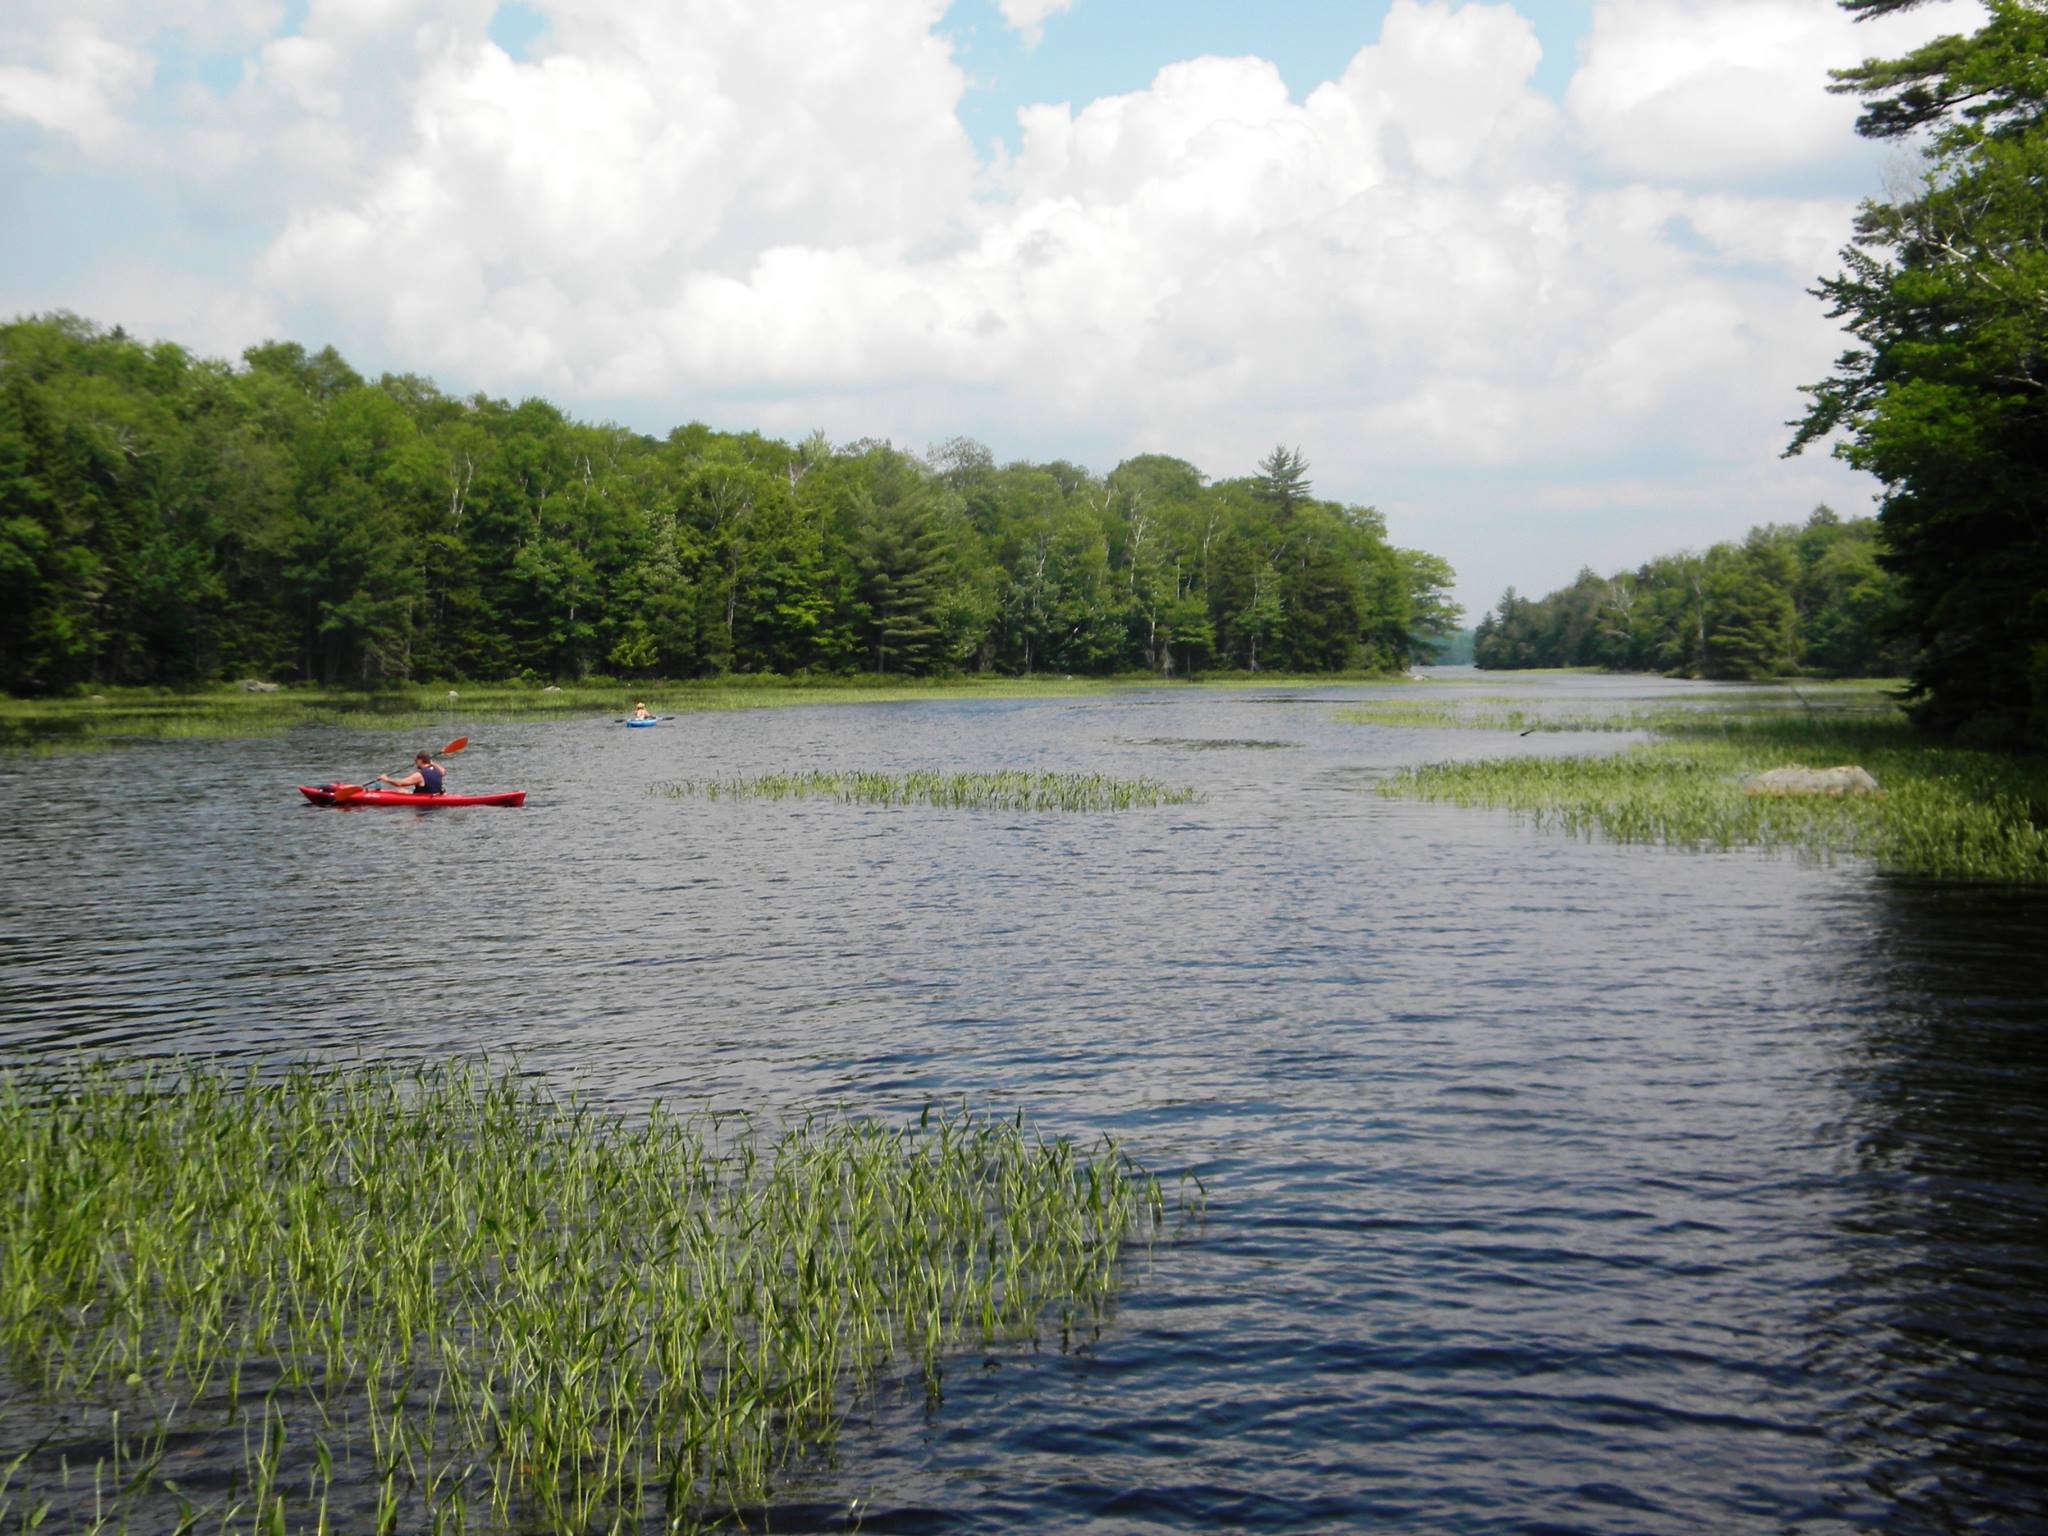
[{"x": 1812, "y": 781}]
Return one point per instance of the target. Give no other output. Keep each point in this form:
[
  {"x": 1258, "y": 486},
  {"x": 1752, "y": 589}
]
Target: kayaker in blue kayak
[
  {"x": 640, "y": 712},
  {"x": 425, "y": 778}
]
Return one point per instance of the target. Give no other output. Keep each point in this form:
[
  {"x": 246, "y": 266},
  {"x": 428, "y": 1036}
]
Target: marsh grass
[
  {"x": 1003, "y": 790},
  {"x": 1473, "y": 715},
  {"x": 1647, "y": 712},
  {"x": 1232, "y": 677},
  {"x": 1945, "y": 811},
  {"x": 356, "y": 1300},
  {"x": 1210, "y": 743},
  {"x": 122, "y": 716}
]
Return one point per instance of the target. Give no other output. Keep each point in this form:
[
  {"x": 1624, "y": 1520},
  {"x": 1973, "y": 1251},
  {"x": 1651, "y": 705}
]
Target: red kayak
[{"x": 323, "y": 794}]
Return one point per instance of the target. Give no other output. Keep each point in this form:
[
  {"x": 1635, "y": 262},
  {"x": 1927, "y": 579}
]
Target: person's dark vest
[{"x": 430, "y": 780}]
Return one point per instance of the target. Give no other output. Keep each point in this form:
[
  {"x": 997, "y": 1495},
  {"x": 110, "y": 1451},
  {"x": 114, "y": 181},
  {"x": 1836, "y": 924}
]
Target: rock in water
[{"x": 1812, "y": 781}]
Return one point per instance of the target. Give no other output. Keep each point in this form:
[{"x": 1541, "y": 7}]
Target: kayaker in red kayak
[{"x": 425, "y": 778}]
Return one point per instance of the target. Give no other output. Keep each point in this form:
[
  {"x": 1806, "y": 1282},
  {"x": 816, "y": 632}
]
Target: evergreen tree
[
  {"x": 1945, "y": 397},
  {"x": 902, "y": 572},
  {"x": 1750, "y": 620},
  {"x": 1283, "y": 482}
]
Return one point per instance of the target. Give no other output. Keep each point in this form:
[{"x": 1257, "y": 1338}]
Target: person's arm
[{"x": 405, "y": 783}]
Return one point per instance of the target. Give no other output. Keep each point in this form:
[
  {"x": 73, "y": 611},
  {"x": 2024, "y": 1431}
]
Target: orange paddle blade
[
  {"x": 454, "y": 746},
  {"x": 347, "y": 791}
]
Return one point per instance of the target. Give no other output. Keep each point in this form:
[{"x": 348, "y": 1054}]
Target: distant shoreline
[{"x": 119, "y": 716}]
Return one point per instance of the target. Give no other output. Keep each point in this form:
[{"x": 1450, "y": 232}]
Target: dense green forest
[
  {"x": 1944, "y": 397},
  {"x": 170, "y": 519},
  {"x": 1785, "y": 599}
]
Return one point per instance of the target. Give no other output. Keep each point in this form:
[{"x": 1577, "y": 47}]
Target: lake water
[{"x": 1554, "y": 1186}]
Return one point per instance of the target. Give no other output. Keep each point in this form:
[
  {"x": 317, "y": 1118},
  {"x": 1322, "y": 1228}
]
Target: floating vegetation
[
  {"x": 356, "y": 1300},
  {"x": 1946, "y": 811},
  {"x": 1208, "y": 743},
  {"x": 1457, "y": 715},
  {"x": 1005, "y": 790},
  {"x": 1419, "y": 715},
  {"x": 1643, "y": 713},
  {"x": 122, "y": 716},
  {"x": 1234, "y": 677}
]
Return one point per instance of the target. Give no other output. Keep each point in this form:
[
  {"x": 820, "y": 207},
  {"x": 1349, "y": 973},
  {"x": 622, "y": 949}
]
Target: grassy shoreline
[
  {"x": 1945, "y": 811},
  {"x": 118, "y": 716},
  {"x": 357, "y": 1299}
]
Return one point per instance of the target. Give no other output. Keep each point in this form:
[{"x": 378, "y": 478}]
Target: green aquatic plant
[
  {"x": 1467, "y": 715},
  {"x": 1210, "y": 743},
  {"x": 449, "y": 1298},
  {"x": 124, "y": 716},
  {"x": 1643, "y": 712},
  {"x": 1002, "y": 790},
  {"x": 1944, "y": 811}
]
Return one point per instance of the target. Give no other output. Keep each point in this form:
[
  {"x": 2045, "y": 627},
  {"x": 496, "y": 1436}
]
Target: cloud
[
  {"x": 1797, "y": 237},
  {"x": 80, "y": 90},
  {"x": 81, "y": 69},
  {"x": 579, "y": 198},
  {"x": 1719, "y": 89},
  {"x": 1028, "y": 17},
  {"x": 771, "y": 216},
  {"x": 211, "y": 318}
]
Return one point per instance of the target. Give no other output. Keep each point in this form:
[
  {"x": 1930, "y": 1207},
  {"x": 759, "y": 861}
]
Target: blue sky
[
  {"x": 1529, "y": 277},
  {"x": 1109, "y": 49}
]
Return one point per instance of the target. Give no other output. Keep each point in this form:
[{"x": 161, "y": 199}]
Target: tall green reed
[
  {"x": 449, "y": 1298},
  {"x": 1852, "y": 700},
  {"x": 1945, "y": 811},
  {"x": 1004, "y": 790}
]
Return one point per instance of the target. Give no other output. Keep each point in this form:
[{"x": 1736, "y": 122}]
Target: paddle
[
  {"x": 635, "y": 720},
  {"x": 346, "y": 792}
]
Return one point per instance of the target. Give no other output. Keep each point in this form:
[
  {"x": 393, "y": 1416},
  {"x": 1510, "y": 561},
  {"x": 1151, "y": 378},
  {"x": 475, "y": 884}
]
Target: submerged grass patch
[
  {"x": 1005, "y": 790},
  {"x": 354, "y": 1300},
  {"x": 1945, "y": 811}
]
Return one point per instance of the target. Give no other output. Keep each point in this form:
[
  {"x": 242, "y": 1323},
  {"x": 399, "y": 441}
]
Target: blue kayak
[{"x": 643, "y": 722}]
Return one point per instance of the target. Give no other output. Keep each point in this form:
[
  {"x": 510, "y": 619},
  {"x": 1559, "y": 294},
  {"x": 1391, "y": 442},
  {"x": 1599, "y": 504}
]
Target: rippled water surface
[{"x": 1555, "y": 1186}]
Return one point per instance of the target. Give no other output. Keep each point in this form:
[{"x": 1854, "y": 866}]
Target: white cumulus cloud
[
  {"x": 1704, "y": 89},
  {"x": 1029, "y": 16},
  {"x": 80, "y": 87},
  {"x": 771, "y": 216}
]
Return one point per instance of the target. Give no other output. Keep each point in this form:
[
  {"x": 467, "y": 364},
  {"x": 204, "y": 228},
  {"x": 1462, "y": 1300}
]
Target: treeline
[
  {"x": 1943, "y": 394},
  {"x": 171, "y": 519},
  {"x": 1785, "y": 599}
]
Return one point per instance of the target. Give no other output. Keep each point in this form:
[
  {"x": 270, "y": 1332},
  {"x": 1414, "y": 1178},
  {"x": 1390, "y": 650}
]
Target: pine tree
[{"x": 1945, "y": 397}]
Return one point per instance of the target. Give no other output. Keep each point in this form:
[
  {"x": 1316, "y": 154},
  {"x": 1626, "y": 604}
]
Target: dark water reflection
[
  {"x": 1943, "y": 1313},
  {"x": 1556, "y": 1186}
]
